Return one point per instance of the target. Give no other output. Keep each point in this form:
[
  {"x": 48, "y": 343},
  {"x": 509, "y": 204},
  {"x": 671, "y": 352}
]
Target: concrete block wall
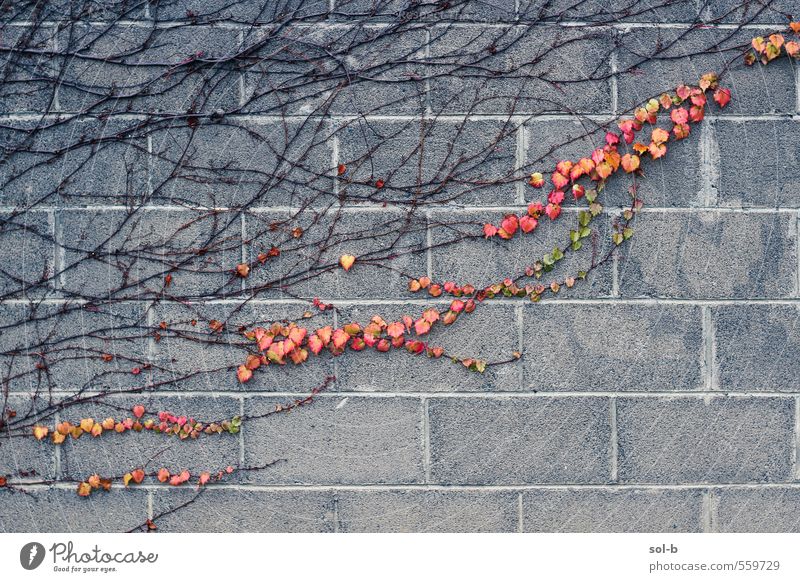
[{"x": 663, "y": 395}]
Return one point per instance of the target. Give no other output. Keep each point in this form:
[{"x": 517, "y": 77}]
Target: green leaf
[
  {"x": 617, "y": 238},
  {"x": 548, "y": 261},
  {"x": 584, "y": 218},
  {"x": 576, "y": 246},
  {"x": 627, "y": 233},
  {"x": 574, "y": 235},
  {"x": 591, "y": 195},
  {"x": 557, "y": 254},
  {"x": 595, "y": 208},
  {"x": 585, "y": 231}
]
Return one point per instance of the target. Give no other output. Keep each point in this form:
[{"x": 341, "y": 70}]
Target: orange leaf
[
  {"x": 243, "y": 373},
  {"x": 630, "y": 163},
  {"x": 40, "y": 432},
  {"x": 138, "y": 475},
  {"x": 138, "y": 411},
  {"x": 243, "y": 270},
  {"x": 163, "y": 475},
  {"x": 84, "y": 489},
  {"x": 346, "y": 261}
]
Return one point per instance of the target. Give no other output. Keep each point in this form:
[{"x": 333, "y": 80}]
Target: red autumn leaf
[
  {"x": 723, "y": 96},
  {"x": 510, "y": 223},
  {"x": 341, "y": 169},
  {"x": 315, "y": 344},
  {"x": 681, "y": 131},
  {"x": 683, "y": 92},
  {"x": 776, "y": 39},
  {"x": 379, "y": 184},
  {"x": 630, "y": 163},
  {"x": 138, "y": 411},
  {"x": 489, "y": 230},
  {"x": 679, "y": 115},
  {"x": 163, "y": 475},
  {"x": 612, "y": 138},
  {"x": 603, "y": 170},
  {"x": 243, "y": 373},
  {"x": 578, "y": 191},
  {"x": 138, "y": 475},
  {"x": 795, "y": 26},
  {"x": 792, "y": 49},
  {"x": 552, "y": 211},
  {"x": 657, "y": 150},
  {"x": 659, "y": 136},
  {"x": 559, "y": 180},
  {"x": 324, "y": 334},
  {"x": 243, "y": 270},
  {"x": 430, "y": 315},
  {"x": 555, "y": 197},
  {"x": 383, "y": 345},
  {"x": 204, "y": 477},
  {"x": 697, "y": 113},
  {"x": 528, "y": 224},
  {"x": 252, "y": 362},
  {"x": 422, "y": 327},
  {"x": 340, "y": 338},
  {"x": 84, "y": 489},
  {"x": 536, "y": 180},
  {"x": 216, "y": 325}
]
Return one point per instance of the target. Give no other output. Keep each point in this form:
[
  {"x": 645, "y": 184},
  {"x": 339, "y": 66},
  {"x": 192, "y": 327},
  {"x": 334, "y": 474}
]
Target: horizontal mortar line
[
  {"x": 383, "y": 21},
  {"x": 394, "y": 209},
  {"x": 602, "y": 118},
  {"x": 618, "y": 301},
  {"x": 541, "y": 393},
  {"x": 741, "y": 486}
]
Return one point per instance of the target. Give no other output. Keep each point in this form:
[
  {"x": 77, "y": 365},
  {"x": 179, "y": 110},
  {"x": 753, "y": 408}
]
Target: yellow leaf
[{"x": 346, "y": 261}]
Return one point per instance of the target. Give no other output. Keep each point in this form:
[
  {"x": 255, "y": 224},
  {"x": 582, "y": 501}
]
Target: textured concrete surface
[{"x": 662, "y": 395}]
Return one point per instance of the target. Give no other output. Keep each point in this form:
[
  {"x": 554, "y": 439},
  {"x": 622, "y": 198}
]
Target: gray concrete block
[
  {"x": 654, "y": 60},
  {"x": 733, "y": 11},
  {"x": 336, "y": 440},
  {"x": 113, "y": 455},
  {"x": 234, "y": 164},
  {"x": 719, "y": 440},
  {"x": 61, "y": 346},
  {"x": 612, "y": 347},
  {"x": 26, "y": 254},
  {"x": 757, "y": 346},
  {"x": 773, "y": 510},
  {"x": 460, "y": 252},
  {"x": 21, "y": 455},
  {"x": 710, "y": 255},
  {"x": 489, "y": 333},
  {"x": 519, "y": 440},
  {"x": 198, "y": 358},
  {"x": 489, "y": 11},
  {"x": 612, "y": 11},
  {"x": 530, "y": 80},
  {"x": 130, "y": 67},
  {"x": 387, "y": 245},
  {"x": 61, "y": 510},
  {"x": 252, "y": 11},
  {"x": 427, "y": 511},
  {"x": 113, "y": 253},
  {"x": 617, "y": 510},
  {"x": 26, "y": 87},
  {"x": 758, "y": 163},
  {"x": 241, "y": 510},
  {"x": 298, "y": 69}
]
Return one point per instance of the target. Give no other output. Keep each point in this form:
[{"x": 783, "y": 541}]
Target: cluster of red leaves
[
  {"x": 164, "y": 423},
  {"x": 687, "y": 105}
]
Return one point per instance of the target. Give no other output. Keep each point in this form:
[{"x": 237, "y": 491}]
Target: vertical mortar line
[
  {"x": 241, "y": 432},
  {"x": 519, "y": 162},
  {"x": 59, "y": 254},
  {"x": 150, "y": 164},
  {"x": 797, "y": 87},
  {"x": 150, "y": 504},
  {"x": 150, "y": 321},
  {"x": 244, "y": 251},
  {"x": 335, "y": 162},
  {"x": 57, "y": 450},
  {"x": 429, "y": 243},
  {"x": 707, "y": 363},
  {"x": 709, "y": 164},
  {"x": 520, "y": 314},
  {"x": 614, "y": 443},
  {"x": 613, "y": 64},
  {"x": 335, "y": 513},
  {"x": 796, "y": 461},
  {"x": 426, "y": 440},
  {"x": 241, "y": 83},
  {"x": 54, "y": 43},
  {"x": 520, "y": 524},
  {"x": 709, "y": 509},
  {"x": 428, "y": 108},
  {"x": 615, "y": 273},
  {"x": 797, "y": 254}
]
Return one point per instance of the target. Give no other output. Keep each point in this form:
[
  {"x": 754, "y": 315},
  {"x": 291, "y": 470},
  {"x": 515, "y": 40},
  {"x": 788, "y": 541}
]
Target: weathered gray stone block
[
  {"x": 773, "y": 510},
  {"x": 461, "y": 253},
  {"x": 427, "y": 511},
  {"x": 757, "y": 347},
  {"x": 519, "y": 440},
  {"x": 128, "y": 255},
  {"x": 26, "y": 254},
  {"x": 198, "y": 358},
  {"x": 387, "y": 246},
  {"x": 531, "y": 75},
  {"x": 336, "y": 440},
  {"x": 720, "y": 440},
  {"x": 220, "y": 510},
  {"x": 25, "y": 87},
  {"x": 233, "y": 164},
  {"x": 20, "y": 453},
  {"x": 618, "y": 510},
  {"x": 759, "y": 163},
  {"x": 61, "y": 510},
  {"x": 710, "y": 255},
  {"x": 612, "y": 347},
  {"x": 489, "y": 333}
]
